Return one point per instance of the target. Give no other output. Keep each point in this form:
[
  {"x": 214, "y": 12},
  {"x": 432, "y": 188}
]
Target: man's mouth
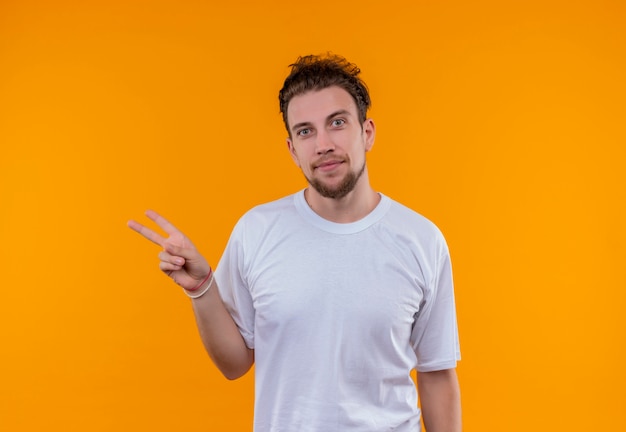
[{"x": 328, "y": 165}]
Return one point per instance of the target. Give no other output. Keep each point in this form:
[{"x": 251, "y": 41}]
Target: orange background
[{"x": 503, "y": 122}]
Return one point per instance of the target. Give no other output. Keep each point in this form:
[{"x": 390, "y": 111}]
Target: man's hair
[{"x": 319, "y": 72}]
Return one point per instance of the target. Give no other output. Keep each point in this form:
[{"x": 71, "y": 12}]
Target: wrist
[
  {"x": 201, "y": 284},
  {"x": 202, "y": 288}
]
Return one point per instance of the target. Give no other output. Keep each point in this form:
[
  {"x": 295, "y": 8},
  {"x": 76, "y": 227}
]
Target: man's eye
[
  {"x": 338, "y": 122},
  {"x": 304, "y": 132}
]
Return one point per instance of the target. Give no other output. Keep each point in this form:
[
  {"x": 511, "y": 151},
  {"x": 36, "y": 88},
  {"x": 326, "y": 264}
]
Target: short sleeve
[
  {"x": 233, "y": 288},
  {"x": 435, "y": 334}
]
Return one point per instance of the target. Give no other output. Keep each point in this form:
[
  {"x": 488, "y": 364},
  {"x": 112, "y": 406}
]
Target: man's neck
[{"x": 357, "y": 204}]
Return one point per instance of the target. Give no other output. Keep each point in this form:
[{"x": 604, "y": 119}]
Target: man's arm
[
  {"x": 440, "y": 400},
  {"x": 182, "y": 262},
  {"x": 220, "y": 335}
]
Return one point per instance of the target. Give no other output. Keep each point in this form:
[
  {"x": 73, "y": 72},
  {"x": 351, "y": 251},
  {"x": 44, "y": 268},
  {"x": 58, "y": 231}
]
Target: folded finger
[
  {"x": 168, "y": 267},
  {"x": 171, "y": 259}
]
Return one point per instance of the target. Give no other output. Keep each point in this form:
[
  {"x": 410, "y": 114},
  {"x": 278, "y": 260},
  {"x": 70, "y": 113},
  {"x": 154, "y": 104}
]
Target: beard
[{"x": 342, "y": 189}]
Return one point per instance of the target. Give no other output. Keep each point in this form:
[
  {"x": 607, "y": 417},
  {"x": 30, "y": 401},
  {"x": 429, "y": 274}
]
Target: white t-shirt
[{"x": 339, "y": 314}]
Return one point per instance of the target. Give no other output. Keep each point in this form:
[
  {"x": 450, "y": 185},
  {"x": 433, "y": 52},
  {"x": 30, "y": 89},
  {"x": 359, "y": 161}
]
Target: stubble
[{"x": 342, "y": 189}]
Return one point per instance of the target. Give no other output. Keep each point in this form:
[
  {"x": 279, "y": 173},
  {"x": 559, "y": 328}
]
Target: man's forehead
[{"x": 318, "y": 104}]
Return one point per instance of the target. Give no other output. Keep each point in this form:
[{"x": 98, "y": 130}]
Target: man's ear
[
  {"x": 369, "y": 129},
  {"x": 292, "y": 152}
]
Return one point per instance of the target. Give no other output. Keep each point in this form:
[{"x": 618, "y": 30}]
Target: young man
[{"x": 336, "y": 292}]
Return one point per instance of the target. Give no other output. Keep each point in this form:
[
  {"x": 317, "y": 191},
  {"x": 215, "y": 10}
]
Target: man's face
[{"x": 328, "y": 142}]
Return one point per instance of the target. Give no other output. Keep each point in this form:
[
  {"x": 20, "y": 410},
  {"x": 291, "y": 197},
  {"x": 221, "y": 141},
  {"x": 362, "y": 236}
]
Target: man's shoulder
[
  {"x": 268, "y": 213},
  {"x": 409, "y": 221},
  {"x": 402, "y": 211},
  {"x": 265, "y": 221},
  {"x": 274, "y": 207}
]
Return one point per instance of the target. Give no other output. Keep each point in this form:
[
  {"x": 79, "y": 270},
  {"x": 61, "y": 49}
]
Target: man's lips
[{"x": 328, "y": 164}]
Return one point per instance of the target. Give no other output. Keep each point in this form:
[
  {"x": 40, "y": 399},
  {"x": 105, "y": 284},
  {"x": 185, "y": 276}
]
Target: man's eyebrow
[
  {"x": 299, "y": 125},
  {"x": 328, "y": 117},
  {"x": 338, "y": 113}
]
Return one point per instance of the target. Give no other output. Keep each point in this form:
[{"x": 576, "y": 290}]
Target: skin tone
[
  {"x": 440, "y": 400},
  {"x": 329, "y": 144}
]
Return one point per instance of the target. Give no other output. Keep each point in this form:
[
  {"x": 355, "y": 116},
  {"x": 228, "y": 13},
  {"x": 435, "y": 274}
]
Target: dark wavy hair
[{"x": 314, "y": 72}]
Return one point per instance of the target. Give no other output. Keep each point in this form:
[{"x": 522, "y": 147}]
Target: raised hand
[{"x": 180, "y": 259}]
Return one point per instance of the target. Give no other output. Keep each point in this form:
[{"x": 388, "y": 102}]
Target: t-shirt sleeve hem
[{"x": 449, "y": 364}]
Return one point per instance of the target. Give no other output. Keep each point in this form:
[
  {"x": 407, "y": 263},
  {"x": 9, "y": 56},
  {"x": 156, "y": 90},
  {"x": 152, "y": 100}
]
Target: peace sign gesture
[{"x": 180, "y": 259}]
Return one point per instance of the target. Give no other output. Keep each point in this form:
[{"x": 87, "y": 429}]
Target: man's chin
[
  {"x": 333, "y": 191},
  {"x": 338, "y": 188}
]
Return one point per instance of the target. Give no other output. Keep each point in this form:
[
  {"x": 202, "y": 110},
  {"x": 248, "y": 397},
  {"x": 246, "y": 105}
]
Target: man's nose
[{"x": 324, "y": 143}]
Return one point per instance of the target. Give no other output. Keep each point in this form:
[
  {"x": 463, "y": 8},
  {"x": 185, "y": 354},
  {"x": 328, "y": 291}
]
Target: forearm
[
  {"x": 440, "y": 400},
  {"x": 220, "y": 335}
]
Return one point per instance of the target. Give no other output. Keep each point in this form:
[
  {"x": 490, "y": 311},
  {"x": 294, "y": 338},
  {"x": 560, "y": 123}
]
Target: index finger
[
  {"x": 162, "y": 222},
  {"x": 146, "y": 232}
]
